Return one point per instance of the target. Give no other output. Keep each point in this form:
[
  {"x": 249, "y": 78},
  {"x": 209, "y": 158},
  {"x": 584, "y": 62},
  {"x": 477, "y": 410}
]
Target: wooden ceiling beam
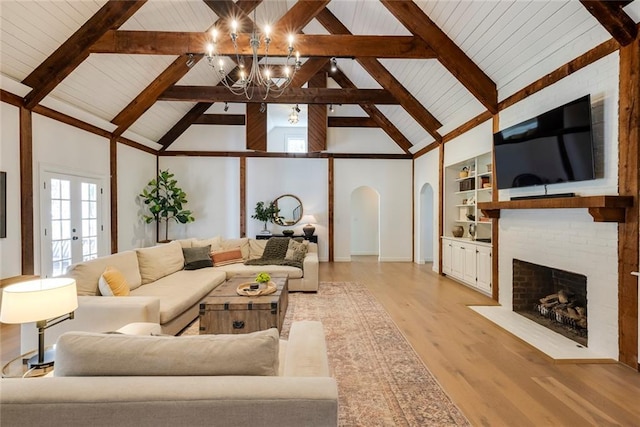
[
  {"x": 448, "y": 53},
  {"x": 613, "y": 19},
  {"x": 221, "y": 119},
  {"x": 75, "y": 49},
  {"x": 290, "y": 96},
  {"x": 309, "y": 45},
  {"x": 352, "y": 122},
  {"x": 412, "y": 106},
  {"x": 170, "y": 76},
  {"x": 376, "y": 115}
]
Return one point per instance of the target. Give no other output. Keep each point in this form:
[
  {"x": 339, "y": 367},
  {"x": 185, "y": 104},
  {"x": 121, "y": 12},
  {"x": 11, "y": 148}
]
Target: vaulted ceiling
[{"x": 416, "y": 69}]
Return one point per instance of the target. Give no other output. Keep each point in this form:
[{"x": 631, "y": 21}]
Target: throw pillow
[
  {"x": 296, "y": 251},
  {"x": 196, "y": 258},
  {"x": 112, "y": 283},
  {"x": 276, "y": 248},
  {"x": 226, "y": 257}
]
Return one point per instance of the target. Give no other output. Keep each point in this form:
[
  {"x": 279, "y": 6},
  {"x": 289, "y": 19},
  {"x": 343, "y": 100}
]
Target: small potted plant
[
  {"x": 266, "y": 212},
  {"x": 261, "y": 279}
]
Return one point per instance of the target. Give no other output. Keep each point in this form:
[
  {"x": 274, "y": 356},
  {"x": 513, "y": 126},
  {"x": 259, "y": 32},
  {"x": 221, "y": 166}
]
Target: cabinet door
[
  {"x": 457, "y": 260},
  {"x": 446, "y": 256},
  {"x": 483, "y": 261},
  {"x": 469, "y": 264}
]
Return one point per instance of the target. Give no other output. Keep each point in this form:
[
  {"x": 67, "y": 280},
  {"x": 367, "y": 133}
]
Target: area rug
[{"x": 381, "y": 380}]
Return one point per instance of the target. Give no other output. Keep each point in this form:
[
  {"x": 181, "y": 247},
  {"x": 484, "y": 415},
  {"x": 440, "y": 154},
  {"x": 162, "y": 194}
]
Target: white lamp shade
[
  {"x": 38, "y": 300},
  {"x": 309, "y": 219}
]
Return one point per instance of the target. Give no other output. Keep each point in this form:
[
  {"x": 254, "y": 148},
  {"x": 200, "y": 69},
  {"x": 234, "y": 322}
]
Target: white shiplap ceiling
[{"x": 513, "y": 42}]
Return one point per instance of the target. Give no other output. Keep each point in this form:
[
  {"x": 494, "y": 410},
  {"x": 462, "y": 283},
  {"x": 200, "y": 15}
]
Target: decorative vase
[
  {"x": 457, "y": 231},
  {"x": 472, "y": 231},
  {"x": 287, "y": 232}
]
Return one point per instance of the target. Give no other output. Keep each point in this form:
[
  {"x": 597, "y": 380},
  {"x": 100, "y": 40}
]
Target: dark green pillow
[{"x": 195, "y": 258}]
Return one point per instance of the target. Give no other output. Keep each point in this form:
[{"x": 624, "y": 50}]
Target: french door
[{"x": 72, "y": 229}]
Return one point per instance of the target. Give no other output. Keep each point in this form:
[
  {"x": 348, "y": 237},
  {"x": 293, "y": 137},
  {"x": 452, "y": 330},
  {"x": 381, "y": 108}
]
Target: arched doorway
[
  {"x": 365, "y": 221},
  {"x": 426, "y": 224}
]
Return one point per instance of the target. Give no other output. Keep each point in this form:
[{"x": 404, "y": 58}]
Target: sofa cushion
[
  {"x": 87, "y": 273},
  {"x": 250, "y": 270},
  {"x": 159, "y": 261},
  {"x": 91, "y": 354},
  {"x": 186, "y": 243},
  {"x": 113, "y": 284},
  {"x": 242, "y": 243},
  {"x": 214, "y": 242},
  {"x": 181, "y": 290},
  {"x": 226, "y": 257},
  {"x": 196, "y": 258},
  {"x": 256, "y": 248}
]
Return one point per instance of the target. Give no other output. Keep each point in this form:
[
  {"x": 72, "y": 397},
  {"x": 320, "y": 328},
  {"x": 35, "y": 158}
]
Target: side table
[
  {"x": 312, "y": 239},
  {"x": 18, "y": 368}
]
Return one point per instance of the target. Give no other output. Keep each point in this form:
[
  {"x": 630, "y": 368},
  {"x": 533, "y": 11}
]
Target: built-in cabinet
[
  {"x": 466, "y": 184},
  {"x": 467, "y": 258},
  {"x": 468, "y": 262}
]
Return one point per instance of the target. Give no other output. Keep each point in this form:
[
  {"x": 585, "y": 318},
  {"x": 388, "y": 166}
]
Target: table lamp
[
  {"x": 46, "y": 302},
  {"x": 309, "y": 229}
]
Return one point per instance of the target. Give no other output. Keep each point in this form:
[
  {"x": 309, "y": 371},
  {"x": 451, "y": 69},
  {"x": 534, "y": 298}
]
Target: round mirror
[{"x": 290, "y": 210}]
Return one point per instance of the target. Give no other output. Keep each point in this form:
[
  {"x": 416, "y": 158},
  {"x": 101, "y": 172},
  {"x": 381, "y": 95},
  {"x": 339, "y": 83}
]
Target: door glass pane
[
  {"x": 55, "y": 209},
  {"x": 60, "y": 225},
  {"x": 65, "y": 189}
]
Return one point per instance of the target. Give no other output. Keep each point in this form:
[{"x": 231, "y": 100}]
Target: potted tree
[
  {"x": 266, "y": 213},
  {"x": 165, "y": 201}
]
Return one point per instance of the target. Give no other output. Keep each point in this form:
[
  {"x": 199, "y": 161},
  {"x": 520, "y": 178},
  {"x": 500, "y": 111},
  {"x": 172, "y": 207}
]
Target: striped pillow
[{"x": 226, "y": 257}]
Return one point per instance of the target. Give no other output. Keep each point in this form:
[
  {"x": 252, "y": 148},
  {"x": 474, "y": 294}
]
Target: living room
[{"x": 224, "y": 178}]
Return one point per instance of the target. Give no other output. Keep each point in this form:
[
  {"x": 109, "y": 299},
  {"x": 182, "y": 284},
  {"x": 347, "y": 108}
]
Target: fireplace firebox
[{"x": 554, "y": 298}]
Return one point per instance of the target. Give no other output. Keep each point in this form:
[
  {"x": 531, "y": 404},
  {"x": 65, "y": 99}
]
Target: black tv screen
[{"x": 551, "y": 148}]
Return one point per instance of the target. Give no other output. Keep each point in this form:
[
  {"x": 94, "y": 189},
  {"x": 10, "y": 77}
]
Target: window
[{"x": 296, "y": 144}]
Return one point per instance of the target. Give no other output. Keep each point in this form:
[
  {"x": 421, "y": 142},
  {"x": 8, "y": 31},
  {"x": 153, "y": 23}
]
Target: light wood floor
[{"x": 493, "y": 377}]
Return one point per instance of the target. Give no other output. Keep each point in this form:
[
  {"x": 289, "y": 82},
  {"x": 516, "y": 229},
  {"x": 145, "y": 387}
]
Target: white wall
[
  {"x": 277, "y": 137},
  {"x": 365, "y": 222},
  {"x": 10, "y": 247},
  {"x": 211, "y": 138},
  {"x": 427, "y": 172},
  {"x": 392, "y": 180},
  {"x": 360, "y": 140},
  {"x": 135, "y": 169},
  {"x": 268, "y": 178},
  {"x": 212, "y": 185},
  {"x": 477, "y": 141}
]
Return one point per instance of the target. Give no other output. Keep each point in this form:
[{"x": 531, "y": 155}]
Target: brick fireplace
[
  {"x": 567, "y": 240},
  {"x": 553, "y": 298}
]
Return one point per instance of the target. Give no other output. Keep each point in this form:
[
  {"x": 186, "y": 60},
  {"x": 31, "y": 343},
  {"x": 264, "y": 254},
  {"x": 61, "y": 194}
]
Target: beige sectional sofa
[
  {"x": 237, "y": 380},
  {"x": 161, "y": 290}
]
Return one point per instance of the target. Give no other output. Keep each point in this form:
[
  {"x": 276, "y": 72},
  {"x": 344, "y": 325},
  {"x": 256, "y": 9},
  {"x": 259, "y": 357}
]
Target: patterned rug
[{"x": 381, "y": 380}]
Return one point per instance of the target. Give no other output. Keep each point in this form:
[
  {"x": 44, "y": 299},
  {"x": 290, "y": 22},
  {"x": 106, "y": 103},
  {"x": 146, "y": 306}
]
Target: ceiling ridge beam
[
  {"x": 221, "y": 119},
  {"x": 352, "y": 122},
  {"x": 374, "y": 113},
  {"x": 613, "y": 19},
  {"x": 449, "y": 54},
  {"x": 70, "y": 54},
  {"x": 170, "y": 76},
  {"x": 412, "y": 106}
]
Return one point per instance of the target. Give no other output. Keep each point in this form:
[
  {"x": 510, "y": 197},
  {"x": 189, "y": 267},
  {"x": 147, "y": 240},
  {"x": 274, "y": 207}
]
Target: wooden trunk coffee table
[{"x": 223, "y": 311}]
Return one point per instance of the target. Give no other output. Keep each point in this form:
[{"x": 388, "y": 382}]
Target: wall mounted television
[{"x": 554, "y": 147}]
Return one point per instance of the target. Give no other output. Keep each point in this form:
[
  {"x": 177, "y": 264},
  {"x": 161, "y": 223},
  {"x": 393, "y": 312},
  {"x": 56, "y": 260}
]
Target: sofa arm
[
  {"x": 310, "y": 272},
  {"x": 97, "y": 314},
  {"x": 306, "y": 351}
]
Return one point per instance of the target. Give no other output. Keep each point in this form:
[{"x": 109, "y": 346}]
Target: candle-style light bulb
[
  {"x": 286, "y": 71},
  {"x": 290, "y": 40},
  {"x": 209, "y": 50},
  {"x": 234, "y": 26},
  {"x": 214, "y": 35},
  {"x": 267, "y": 31}
]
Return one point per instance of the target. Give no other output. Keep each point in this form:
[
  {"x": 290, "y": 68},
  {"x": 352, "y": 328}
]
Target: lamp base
[
  {"x": 309, "y": 230},
  {"x": 49, "y": 357}
]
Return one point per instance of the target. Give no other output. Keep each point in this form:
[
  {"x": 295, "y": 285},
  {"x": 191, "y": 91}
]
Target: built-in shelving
[{"x": 601, "y": 208}]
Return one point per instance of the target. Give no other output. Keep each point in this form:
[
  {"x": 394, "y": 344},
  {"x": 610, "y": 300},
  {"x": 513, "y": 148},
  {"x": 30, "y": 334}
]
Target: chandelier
[
  {"x": 293, "y": 116},
  {"x": 262, "y": 76}
]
